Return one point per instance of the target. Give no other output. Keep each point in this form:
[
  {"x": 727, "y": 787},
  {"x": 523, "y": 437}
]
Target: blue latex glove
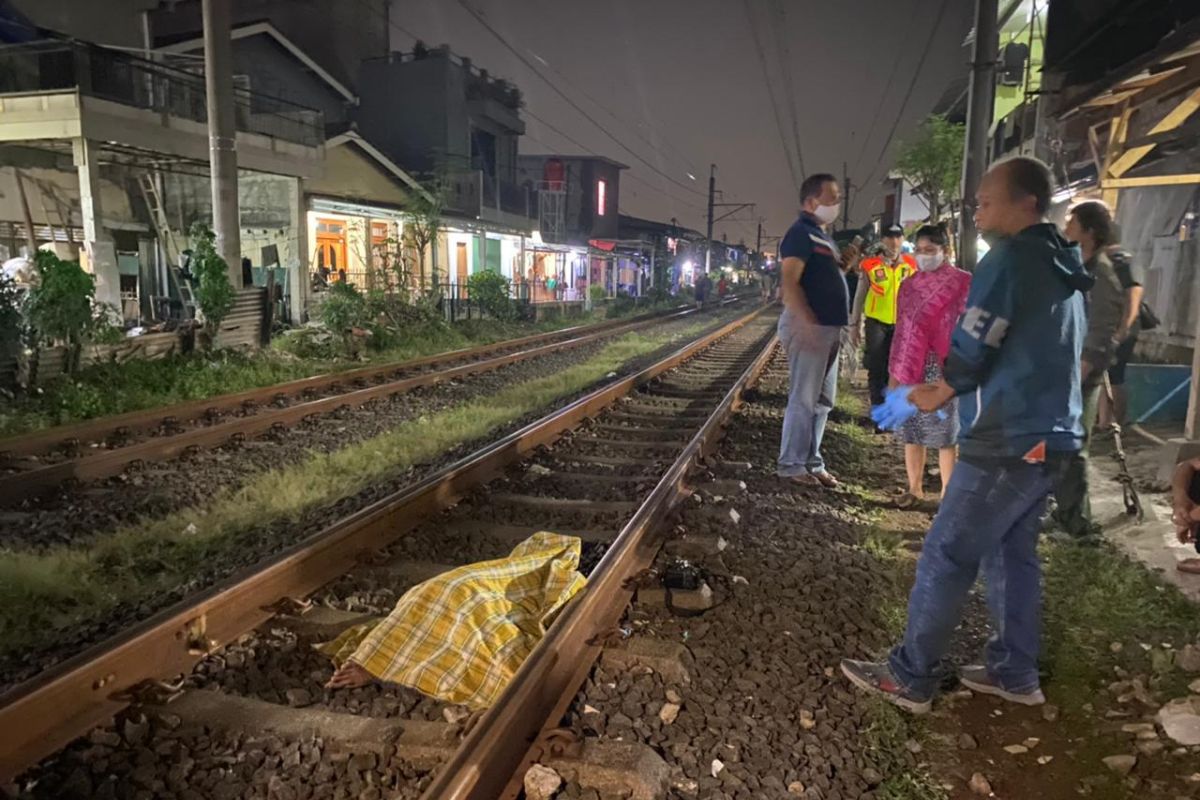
[{"x": 895, "y": 410}]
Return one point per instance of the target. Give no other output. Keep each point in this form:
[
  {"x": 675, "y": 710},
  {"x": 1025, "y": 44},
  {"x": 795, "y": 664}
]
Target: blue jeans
[
  {"x": 989, "y": 518},
  {"x": 812, "y": 353}
]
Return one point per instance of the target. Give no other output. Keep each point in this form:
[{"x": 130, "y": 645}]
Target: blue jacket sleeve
[{"x": 981, "y": 329}]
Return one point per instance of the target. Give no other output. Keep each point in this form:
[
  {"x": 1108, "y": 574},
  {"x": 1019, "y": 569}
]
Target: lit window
[{"x": 601, "y": 188}]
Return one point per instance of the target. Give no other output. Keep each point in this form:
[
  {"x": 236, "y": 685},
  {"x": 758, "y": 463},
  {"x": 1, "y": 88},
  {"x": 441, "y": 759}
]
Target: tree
[
  {"x": 214, "y": 292},
  {"x": 932, "y": 162},
  {"x": 420, "y": 230}
]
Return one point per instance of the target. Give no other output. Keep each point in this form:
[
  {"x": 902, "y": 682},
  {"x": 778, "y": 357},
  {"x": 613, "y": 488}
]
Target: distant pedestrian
[
  {"x": 815, "y": 310},
  {"x": 701, "y": 289},
  {"x": 1016, "y": 353},
  {"x": 875, "y": 300},
  {"x": 1091, "y": 225},
  {"x": 722, "y": 288},
  {"x": 927, "y": 309}
]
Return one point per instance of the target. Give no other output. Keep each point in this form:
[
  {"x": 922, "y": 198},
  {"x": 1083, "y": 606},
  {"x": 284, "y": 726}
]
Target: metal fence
[
  {"x": 458, "y": 303},
  {"x": 123, "y": 78}
]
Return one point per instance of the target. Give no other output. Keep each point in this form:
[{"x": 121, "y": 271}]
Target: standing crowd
[{"x": 1001, "y": 371}]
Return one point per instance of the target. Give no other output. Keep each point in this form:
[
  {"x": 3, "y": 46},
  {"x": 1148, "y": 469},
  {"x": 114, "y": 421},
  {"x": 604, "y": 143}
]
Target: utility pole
[
  {"x": 980, "y": 104},
  {"x": 845, "y": 197},
  {"x": 222, "y": 133},
  {"x": 758, "y": 241},
  {"x": 712, "y": 191}
]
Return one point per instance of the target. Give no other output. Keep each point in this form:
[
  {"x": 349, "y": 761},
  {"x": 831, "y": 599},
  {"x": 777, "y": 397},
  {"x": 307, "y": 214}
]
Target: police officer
[{"x": 875, "y": 298}]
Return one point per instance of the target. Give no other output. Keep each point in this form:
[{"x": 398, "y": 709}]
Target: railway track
[
  {"x": 608, "y": 468},
  {"x": 35, "y": 464}
]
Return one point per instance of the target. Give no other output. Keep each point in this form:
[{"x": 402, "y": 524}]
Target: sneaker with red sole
[{"x": 877, "y": 678}]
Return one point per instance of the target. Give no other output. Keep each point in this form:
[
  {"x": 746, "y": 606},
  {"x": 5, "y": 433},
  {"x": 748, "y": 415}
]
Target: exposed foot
[
  {"x": 826, "y": 479},
  {"x": 349, "y": 676},
  {"x": 976, "y": 679},
  {"x": 909, "y": 500},
  {"x": 876, "y": 678},
  {"x": 1189, "y": 565}
]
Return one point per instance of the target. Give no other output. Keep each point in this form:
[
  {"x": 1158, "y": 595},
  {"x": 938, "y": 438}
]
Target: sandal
[
  {"x": 807, "y": 479},
  {"x": 1189, "y": 565},
  {"x": 908, "y": 500},
  {"x": 826, "y": 479}
]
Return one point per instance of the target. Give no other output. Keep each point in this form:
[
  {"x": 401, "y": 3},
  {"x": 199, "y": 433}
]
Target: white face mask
[
  {"x": 927, "y": 262},
  {"x": 827, "y": 214}
]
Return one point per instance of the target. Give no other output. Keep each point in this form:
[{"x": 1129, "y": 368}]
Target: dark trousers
[
  {"x": 1074, "y": 509},
  {"x": 878, "y": 348}
]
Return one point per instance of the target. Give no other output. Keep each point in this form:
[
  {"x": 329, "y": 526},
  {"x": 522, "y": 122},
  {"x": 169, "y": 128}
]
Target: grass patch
[
  {"x": 106, "y": 389},
  {"x": 1096, "y": 596},
  {"x": 889, "y": 728},
  {"x": 885, "y": 737},
  {"x": 47, "y": 592}
]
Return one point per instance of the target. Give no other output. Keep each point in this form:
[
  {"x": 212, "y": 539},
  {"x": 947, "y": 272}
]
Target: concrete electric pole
[
  {"x": 712, "y": 191},
  {"x": 222, "y": 134},
  {"x": 980, "y": 104}
]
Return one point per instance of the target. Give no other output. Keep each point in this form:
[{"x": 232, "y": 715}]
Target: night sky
[{"x": 681, "y": 83}]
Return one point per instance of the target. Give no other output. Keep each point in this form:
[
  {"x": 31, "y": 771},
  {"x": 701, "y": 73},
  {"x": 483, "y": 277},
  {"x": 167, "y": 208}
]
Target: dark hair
[
  {"x": 815, "y": 184},
  {"x": 1095, "y": 218},
  {"x": 1028, "y": 177},
  {"x": 934, "y": 233}
]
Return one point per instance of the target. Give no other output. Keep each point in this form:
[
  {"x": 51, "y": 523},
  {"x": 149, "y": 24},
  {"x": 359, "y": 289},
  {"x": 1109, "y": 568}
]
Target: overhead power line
[
  {"x": 566, "y": 97},
  {"x": 908, "y": 93},
  {"x": 783, "y": 53},
  {"x": 554, "y": 129},
  {"x": 900, "y": 53},
  {"x": 758, "y": 50}
]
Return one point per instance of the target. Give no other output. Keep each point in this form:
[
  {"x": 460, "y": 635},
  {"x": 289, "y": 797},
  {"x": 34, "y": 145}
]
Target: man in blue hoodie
[{"x": 1015, "y": 353}]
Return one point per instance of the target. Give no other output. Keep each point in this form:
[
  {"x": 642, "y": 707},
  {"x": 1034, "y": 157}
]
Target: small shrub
[
  {"x": 61, "y": 307},
  {"x": 597, "y": 293},
  {"x": 10, "y": 312},
  {"x": 490, "y": 290},
  {"x": 214, "y": 292},
  {"x": 621, "y": 305}
]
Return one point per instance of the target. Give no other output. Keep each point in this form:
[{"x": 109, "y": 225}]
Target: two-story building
[
  {"x": 354, "y": 212},
  {"x": 96, "y": 135},
  {"x": 577, "y": 201},
  {"x": 459, "y": 132}
]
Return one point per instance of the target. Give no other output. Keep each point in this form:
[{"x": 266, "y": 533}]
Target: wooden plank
[{"x": 1150, "y": 180}]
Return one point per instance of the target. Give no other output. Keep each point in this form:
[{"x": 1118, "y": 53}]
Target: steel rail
[
  {"x": 44, "y": 714},
  {"x": 492, "y": 758},
  {"x": 102, "y": 428},
  {"x": 19, "y": 485}
]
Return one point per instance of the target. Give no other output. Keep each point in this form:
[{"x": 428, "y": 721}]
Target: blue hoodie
[{"x": 1016, "y": 350}]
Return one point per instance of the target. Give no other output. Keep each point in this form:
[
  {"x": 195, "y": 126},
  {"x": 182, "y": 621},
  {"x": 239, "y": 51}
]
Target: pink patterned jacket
[{"x": 927, "y": 308}]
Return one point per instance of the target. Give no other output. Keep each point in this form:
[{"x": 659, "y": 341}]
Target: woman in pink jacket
[{"x": 927, "y": 308}]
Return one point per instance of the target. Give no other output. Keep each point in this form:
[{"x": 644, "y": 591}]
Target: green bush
[
  {"x": 10, "y": 312},
  {"x": 621, "y": 305},
  {"x": 214, "y": 292},
  {"x": 490, "y": 290},
  {"x": 597, "y": 293},
  {"x": 61, "y": 307}
]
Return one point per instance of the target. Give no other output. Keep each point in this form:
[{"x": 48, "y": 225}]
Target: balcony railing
[
  {"x": 107, "y": 74},
  {"x": 472, "y": 192}
]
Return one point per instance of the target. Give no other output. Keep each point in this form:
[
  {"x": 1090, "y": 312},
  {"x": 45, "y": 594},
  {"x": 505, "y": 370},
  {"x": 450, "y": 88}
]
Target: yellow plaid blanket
[{"x": 461, "y": 636}]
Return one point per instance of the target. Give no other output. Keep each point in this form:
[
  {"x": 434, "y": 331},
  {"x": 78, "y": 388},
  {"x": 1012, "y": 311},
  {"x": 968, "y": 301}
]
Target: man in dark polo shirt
[{"x": 816, "y": 308}]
